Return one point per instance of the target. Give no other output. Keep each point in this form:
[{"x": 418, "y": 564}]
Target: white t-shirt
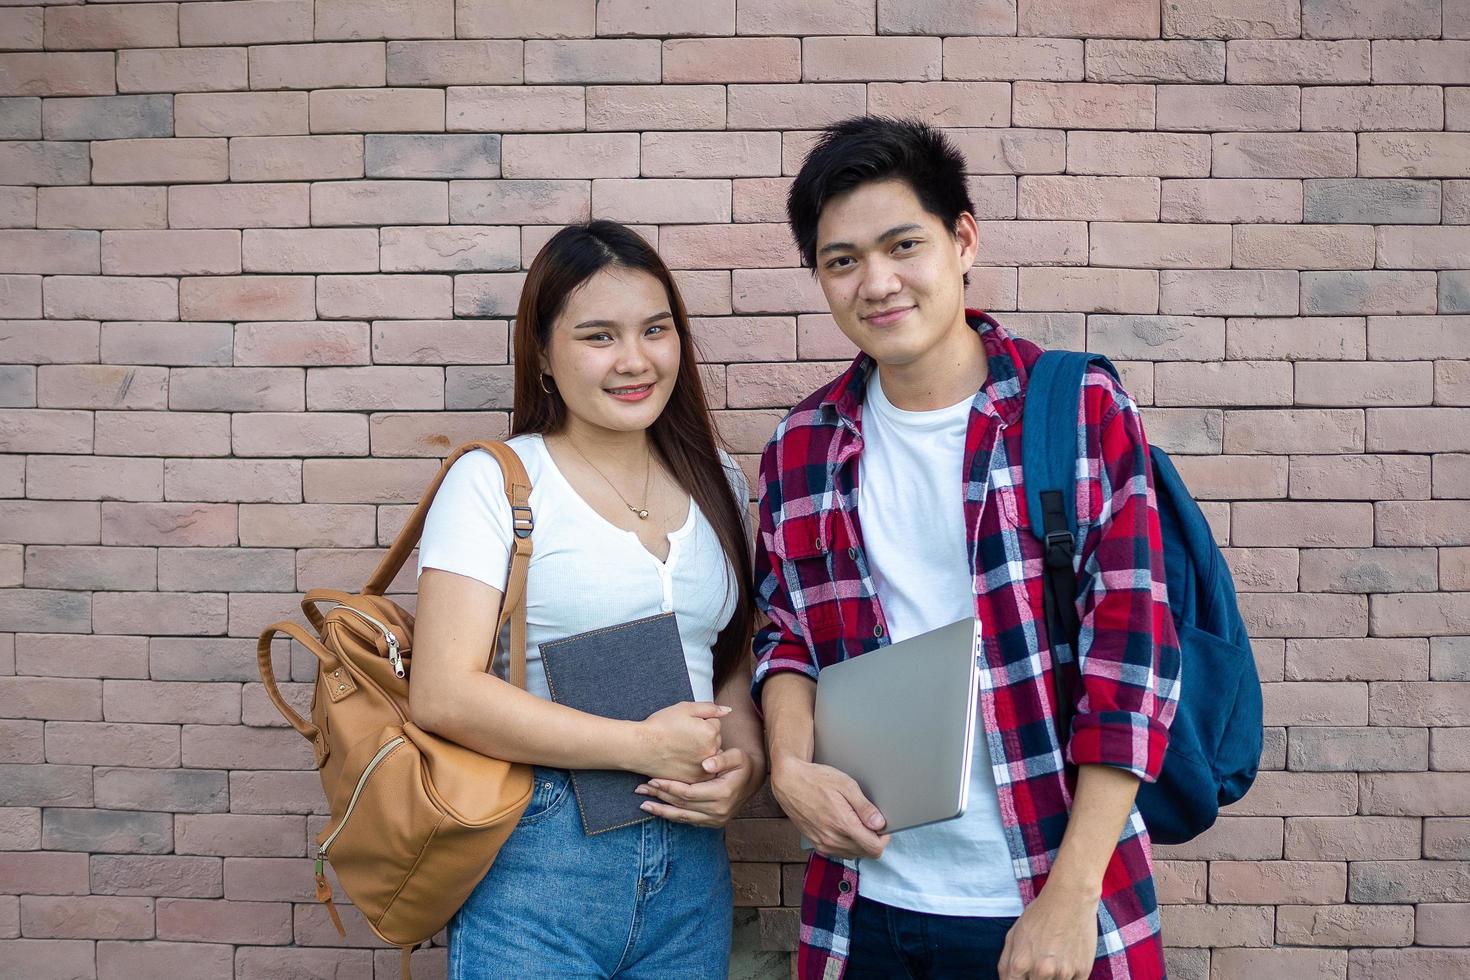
[
  {"x": 910, "y": 500},
  {"x": 585, "y": 572}
]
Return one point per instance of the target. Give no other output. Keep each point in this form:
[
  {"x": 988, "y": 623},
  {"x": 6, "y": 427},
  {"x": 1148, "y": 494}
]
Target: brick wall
[{"x": 256, "y": 271}]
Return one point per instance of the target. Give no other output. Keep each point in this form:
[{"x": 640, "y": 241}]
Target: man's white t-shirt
[
  {"x": 911, "y": 504},
  {"x": 585, "y": 572}
]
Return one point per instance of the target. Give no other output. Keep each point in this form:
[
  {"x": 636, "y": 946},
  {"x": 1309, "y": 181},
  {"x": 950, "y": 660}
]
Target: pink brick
[
  {"x": 1327, "y": 338},
  {"x": 380, "y": 481},
  {"x": 1395, "y": 338},
  {"x": 42, "y": 431},
  {"x": 177, "y": 524},
  {"x": 519, "y": 201},
  {"x": 253, "y": 22},
  {"x": 1090, "y": 18},
  {"x": 943, "y": 103},
  {"x": 68, "y": 699},
  {"x": 788, "y": 17},
  {"x": 664, "y": 17},
  {"x": 1377, "y": 107},
  {"x": 1348, "y": 18},
  {"x": 230, "y": 834},
  {"x": 1303, "y": 247},
  {"x": 398, "y": 296},
  {"x": 1299, "y": 62},
  {"x": 1218, "y": 925},
  {"x": 1345, "y": 925},
  {"x": 810, "y": 106},
  {"x": 1229, "y": 107},
  {"x": 237, "y": 389},
  {"x": 102, "y": 207},
  {"x": 1159, "y": 246},
  {"x": 439, "y": 342},
  {"x": 1410, "y": 426},
  {"x": 455, "y": 62},
  {"x": 1388, "y": 964},
  {"x": 120, "y": 960},
  {"x": 1307, "y": 964},
  {"x": 269, "y": 434},
  {"x": 432, "y": 434},
  {"x": 1407, "y": 383},
  {"x": 44, "y": 873},
  {"x": 247, "y": 298},
  {"x": 305, "y": 344},
  {"x": 319, "y": 66},
  {"x": 633, "y": 107},
  {"x": 409, "y": 110},
  {"x": 1422, "y": 522},
  {"x": 104, "y": 744},
  {"x": 1138, "y": 154},
  {"x": 89, "y": 73},
  {"x": 509, "y": 18},
  {"x": 1423, "y": 248},
  {"x": 160, "y": 161},
  {"x": 240, "y": 114},
  {"x": 1441, "y": 925},
  {"x": 1245, "y": 19},
  {"x": 166, "y": 343},
  {"x": 507, "y": 109},
  {"x": 1231, "y": 200},
  {"x": 1414, "y": 155},
  {"x": 746, "y": 59},
  {"x": 296, "y": 158},
  {"x": 204, "y": 921},
  {"x": 761, "y": 199},
  {"x": 161, "y": 613},
  {"x": 1004, "y": 59},
  {"x": 75, "y": 656},
  {"x": 710, "y": 154},
  {"x": 1285, "y": 155},
  {"x": 1314, "y": 614},
  {"x": 134, "y": 25},
  {"x": 264, "y": 962},
  {"x": 373, "y": 202},
  {"x": 35, "y": 162},
  {"x": 1088, "y": 198},
  {"x": 1352, "y": 838},
  {"x": 310, "y": 250},
  {"x": 359, "y": 19},
  {"x": 745, "y": 338},
  {"x": 1034, "y": 243},
  {"x": 171, "y": 253},
  {"x": 87, "y": 917},
  {"x": 574, "y": 156},
  {"x": 727, "y": 246},
  {"x": 1101, "y": 290},
  {"x": 95, "y": 477},
  {"x": 1277, "y": 883},
  {"x": 49, "y": 522},
  {"x": 1236, "y": 384},
  {"x": 239, "y": 206},
  {"x": 159, "y": 434},
  {"x": 1228, "y": 292},
  {"x": 49, "y": 252},
  {"x": 580, "y": 62},
  {"x": 232, "y": 569},
  {"x": 183, "y": 69},
  {"x": 18, "y": 207},
  {"x": 105, "y": 298},
  {"x": 860, "y": 59},
  {"x": 1155, "y": 61},
  {"x": 122, "y": 874},
  {"x": 671, "y": 201},
  {"x": 1420, "y": 614}
]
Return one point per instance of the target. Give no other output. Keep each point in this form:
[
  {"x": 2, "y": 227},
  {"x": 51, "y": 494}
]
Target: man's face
[{"x": 892, "y": 273}]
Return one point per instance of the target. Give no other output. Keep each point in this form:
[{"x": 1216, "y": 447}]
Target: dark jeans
[{"x": 891, "y": 942}]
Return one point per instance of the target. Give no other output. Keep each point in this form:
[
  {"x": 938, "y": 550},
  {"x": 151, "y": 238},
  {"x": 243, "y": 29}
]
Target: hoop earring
[{"x": 542, "y": 379}]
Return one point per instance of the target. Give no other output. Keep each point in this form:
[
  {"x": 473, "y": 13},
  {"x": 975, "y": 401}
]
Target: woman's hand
[
  {"x": 712, "y": 802},
  {"x": 675, "y": 742}
]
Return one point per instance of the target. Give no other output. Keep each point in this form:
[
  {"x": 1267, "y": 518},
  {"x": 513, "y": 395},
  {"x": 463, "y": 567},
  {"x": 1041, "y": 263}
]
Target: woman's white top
[{"x": 586, "y": 573}]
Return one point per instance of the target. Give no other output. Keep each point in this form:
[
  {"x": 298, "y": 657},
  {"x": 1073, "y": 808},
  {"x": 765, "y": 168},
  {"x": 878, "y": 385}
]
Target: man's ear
[{"x": 967, "y": 236}]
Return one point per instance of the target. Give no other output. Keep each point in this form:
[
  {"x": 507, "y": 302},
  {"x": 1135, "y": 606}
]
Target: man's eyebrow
[
  {"x": 604, "y": 324},
  {"x": 889, "y": 234}
]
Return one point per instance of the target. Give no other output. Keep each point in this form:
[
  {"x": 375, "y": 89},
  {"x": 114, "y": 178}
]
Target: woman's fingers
[
  {"x": 679, "y": 814},
  {"x": 724, "y": 761}
]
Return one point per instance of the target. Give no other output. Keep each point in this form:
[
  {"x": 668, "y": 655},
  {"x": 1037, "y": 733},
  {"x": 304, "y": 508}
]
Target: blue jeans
[
  {"x": 648, "y": 901},
  {"x": 890, "y": 942}
]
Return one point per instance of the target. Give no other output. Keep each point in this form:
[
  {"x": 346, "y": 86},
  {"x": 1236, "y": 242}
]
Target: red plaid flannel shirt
[{"x": 815, "y": 585}]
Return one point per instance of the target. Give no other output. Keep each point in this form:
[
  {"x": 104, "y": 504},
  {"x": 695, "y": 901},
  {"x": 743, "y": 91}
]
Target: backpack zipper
[
  {"x": 394, "y": 657},
  {"x": 382, "y": 753}
]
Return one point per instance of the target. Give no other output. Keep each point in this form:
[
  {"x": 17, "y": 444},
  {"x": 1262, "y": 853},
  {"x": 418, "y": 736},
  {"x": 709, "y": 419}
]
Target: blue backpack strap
[{"x": 1049, "y": 474}]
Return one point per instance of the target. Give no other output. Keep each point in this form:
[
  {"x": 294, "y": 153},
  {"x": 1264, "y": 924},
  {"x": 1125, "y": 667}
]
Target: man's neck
[{"x": 950, "y": 372}]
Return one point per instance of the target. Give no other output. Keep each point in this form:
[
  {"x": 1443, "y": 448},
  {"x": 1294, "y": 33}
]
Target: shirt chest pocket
[{"x": 814, "y": 570}]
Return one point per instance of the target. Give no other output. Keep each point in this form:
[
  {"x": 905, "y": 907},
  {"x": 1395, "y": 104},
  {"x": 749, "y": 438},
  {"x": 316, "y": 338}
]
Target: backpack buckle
[
  {"x": 1059, "y": 546},
  {"x": 522, "y": 521}
]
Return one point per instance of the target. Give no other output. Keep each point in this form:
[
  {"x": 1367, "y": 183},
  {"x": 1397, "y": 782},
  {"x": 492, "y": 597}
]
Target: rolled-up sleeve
[
  {"x": 780, "y": 644},
  {"x": 1128, "y": 652}
]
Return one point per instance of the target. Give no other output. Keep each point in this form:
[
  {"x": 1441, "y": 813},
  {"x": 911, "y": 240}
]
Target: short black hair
[{"x": 861, "y": 149}]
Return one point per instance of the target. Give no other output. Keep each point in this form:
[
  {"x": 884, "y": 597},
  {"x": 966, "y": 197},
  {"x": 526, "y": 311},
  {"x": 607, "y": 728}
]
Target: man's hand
[
  {"x": 1054, "y": 939},
  {"x": 829, "y": 809}
]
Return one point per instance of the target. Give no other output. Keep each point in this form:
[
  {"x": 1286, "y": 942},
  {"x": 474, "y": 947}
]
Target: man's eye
[
  {"x": 841, "y": 262},
  {"x": 906, "y": 245}
]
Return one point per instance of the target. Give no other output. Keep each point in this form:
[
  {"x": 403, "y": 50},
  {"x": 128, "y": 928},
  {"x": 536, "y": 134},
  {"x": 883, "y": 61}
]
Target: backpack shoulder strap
[{"x": 513, "y": 603}]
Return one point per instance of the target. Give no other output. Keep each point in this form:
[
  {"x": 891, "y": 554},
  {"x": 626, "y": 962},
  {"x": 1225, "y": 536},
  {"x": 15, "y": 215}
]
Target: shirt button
[
  {"x": 852, "y": 553},
  {"x": 877, "y": 629},
  {"x": 844, "y": 886},
  {"x": 817, "y": 543}
]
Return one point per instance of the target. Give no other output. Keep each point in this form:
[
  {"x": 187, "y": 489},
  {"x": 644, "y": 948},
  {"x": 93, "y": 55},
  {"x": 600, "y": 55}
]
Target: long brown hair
[{"x": 683, "y": 435}]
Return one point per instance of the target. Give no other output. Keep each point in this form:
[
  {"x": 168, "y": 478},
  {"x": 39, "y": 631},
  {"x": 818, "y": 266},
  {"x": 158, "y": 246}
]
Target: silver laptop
[{"x": 900, "y": 721}]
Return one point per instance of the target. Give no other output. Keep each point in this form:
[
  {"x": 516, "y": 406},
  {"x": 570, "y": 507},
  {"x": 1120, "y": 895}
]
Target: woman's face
[{"x": 613, "y": 353}]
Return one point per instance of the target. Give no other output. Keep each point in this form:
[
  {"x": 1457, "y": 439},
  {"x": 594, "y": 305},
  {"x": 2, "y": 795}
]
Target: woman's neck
[{"x": 607, "y": 447}]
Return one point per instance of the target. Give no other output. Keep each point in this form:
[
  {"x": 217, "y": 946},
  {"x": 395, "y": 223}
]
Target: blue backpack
[{"x": 1215, "y": 739}]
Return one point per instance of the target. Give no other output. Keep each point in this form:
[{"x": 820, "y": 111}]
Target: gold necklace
[{"x": 642, "y": 512}]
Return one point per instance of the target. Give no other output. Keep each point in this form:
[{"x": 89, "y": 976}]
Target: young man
[{"x": 892, "y": 503}]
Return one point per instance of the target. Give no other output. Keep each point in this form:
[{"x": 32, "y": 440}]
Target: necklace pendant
[{"x": 642, "y": 514}]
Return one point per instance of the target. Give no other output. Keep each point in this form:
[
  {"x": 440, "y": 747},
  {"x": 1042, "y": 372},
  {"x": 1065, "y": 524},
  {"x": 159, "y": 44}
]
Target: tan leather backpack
[{"x": 416, "y": 819}]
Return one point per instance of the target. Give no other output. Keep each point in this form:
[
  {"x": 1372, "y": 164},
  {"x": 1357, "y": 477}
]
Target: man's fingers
[
  {"x": 708, "y": 709},
  {"x": 676, "y": 814},
  {"x": 867, "y": 813}
]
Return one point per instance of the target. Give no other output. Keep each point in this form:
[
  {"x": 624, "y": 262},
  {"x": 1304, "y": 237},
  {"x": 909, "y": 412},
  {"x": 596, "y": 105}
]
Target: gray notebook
[{"x": 627, "y": 672}]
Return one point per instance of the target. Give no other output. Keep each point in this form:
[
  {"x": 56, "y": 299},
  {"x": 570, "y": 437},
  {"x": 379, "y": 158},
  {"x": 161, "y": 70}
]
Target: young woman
[{"x": 637, "y": 513}]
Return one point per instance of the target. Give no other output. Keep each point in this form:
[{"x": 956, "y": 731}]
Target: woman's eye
[
  {"x": 598, "y": 337},
  {"x": 658, "y": 328}
]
